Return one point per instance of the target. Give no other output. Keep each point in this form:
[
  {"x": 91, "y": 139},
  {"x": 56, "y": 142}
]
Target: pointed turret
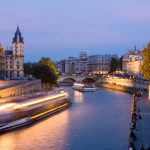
[{"x": 18, "y": 37}]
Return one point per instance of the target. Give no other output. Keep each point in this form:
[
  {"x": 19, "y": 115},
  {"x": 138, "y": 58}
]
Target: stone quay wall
[
  {"x": 116, "y": 87},
  {"x": 123, "y": 82},
  {"x": 19, "y": 88}
]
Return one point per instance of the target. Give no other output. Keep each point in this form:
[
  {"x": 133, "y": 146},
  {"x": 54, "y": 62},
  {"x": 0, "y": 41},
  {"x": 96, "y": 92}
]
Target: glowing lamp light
[{"x": 78, "y": 84}]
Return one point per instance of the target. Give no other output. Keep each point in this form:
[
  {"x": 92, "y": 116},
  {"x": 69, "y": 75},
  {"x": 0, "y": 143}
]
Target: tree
[
  {"x": 120, "y": 63},
  {"x": 46, "y": 71},
  {"x": 145, "y": 68},
  {"x": 114, "y": 64},
  {"x": 28, "y": 68}
]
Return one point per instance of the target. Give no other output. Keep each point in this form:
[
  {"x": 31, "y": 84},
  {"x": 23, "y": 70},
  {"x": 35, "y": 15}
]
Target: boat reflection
[{"x": 78, "y": 97}]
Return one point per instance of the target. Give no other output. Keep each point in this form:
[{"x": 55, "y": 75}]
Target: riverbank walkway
[{"x": 143, "y": 124}]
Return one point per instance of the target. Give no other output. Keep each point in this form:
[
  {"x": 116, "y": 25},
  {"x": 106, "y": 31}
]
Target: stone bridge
[{"x": 72, "y": 79}]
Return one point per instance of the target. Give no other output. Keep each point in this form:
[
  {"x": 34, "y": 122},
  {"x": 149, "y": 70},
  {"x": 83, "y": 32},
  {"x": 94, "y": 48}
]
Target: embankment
[{"x": 116, "y": 87}]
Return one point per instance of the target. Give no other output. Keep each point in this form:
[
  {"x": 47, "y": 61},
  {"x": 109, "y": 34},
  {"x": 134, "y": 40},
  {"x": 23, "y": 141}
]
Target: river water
[{"x": 95, "y": 121}]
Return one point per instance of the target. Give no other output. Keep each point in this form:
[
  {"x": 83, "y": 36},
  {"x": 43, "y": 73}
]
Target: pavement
[{"x": 143, "y": 125}]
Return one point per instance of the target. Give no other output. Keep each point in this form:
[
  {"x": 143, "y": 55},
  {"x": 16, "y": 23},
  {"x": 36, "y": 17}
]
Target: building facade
[
  {"x": 95, "y": 64},
  {"x": 14, "y": 58},
  {"x": 100, "y": 64},
  {"x": 2, "y": 62},
  {"x": 81, "y": 66},
  {"x": 131, "y": 62},
  {"x": 11, "y": 61},
  {"x": 67, "y": 66}
]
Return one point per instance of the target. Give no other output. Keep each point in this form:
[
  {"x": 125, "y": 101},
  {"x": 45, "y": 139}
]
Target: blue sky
[{"x": 62, "y": 28}]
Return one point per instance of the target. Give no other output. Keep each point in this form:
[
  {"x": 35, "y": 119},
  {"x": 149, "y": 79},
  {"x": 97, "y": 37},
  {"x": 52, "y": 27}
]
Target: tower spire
[
  {"x": 18, "y": 30},
  {"x": 18, "y": 37}
]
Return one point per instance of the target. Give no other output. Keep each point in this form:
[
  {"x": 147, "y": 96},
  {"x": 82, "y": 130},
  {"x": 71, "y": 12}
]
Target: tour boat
[
  {"x": 84, "y": 87},
  {"x": 14, "y": 115}
]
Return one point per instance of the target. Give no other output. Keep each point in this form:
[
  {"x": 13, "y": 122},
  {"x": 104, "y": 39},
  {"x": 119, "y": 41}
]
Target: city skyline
[{"x": 61, "y": 29}]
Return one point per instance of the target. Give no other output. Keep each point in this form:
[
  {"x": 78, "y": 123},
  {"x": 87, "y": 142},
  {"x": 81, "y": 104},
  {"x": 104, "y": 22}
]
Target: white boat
[{"x": 84, "y": 87}]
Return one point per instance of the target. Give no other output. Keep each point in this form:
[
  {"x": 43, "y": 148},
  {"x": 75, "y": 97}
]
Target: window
[
  {"x": 17, "y": 73},
  {"x": 10, "y": 66}
]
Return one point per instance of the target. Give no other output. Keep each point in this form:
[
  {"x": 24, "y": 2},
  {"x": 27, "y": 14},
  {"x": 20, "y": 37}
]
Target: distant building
[
  {"x": 14, "y": 57},
  {"x": 97, "y": 64},
  {"x": 67, "y": 66},
  {"x": 73, "y": 65},
  {"x": 131, "y": 62},
  {"x": 81, "y": 66},
  {"x": 100, "y": 64},
  {"x": 11, "y": 61},
  {"x": 83, "y": 55},
  {"x": 2, "y": 62}
]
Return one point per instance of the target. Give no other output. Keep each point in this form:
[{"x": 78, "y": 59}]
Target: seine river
[{"x": 95, "y": 121}]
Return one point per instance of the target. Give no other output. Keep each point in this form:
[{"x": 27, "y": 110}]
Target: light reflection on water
[
  {"x": 78, "y": 97},
  {"x": 47, "y": 134},
  {"x": 96, "y": 121}
]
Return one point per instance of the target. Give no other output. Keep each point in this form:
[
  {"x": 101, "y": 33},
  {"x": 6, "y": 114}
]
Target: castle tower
[{"x": 17, "y": 51}]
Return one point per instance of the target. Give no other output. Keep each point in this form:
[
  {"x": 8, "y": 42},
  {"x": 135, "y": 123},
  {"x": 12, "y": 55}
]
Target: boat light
[
  {"x": 6, "y": 106},
  {"x": 78, "y": 84},
  {"x": 20, "y": 106}
]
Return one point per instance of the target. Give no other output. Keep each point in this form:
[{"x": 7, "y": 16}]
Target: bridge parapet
[{"x": 77, "y": 78}]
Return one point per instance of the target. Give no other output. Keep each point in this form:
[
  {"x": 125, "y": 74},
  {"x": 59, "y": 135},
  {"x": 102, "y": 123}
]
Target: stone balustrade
[{"x": 19, "y": 88}]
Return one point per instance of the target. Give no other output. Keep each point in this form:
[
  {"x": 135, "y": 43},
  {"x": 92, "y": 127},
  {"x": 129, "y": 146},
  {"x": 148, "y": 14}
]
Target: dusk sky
[{"x": 62, "y": 28}]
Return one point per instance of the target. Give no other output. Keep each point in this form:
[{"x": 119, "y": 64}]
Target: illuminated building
[
  {"x": 100, "y": 64},
  {"x": 2, "y": 61},
  {"x": 131, "y": 62},
  {"x": 14, "y": 57},
  {"x": 97, "y": 64}
]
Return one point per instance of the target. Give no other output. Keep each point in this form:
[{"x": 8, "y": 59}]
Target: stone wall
[
  {"x": 143, "y": 85},
  {"x": 116, "y": 87},
  {"x": 20, "y": 88}
]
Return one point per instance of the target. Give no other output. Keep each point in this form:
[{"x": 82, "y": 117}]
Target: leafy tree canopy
[
  {"x": 44, "y": 70},
  {"x": 114, "y": 64},
  {"x": 120, "y": 63},
  {"x": 145, "y": 68},
  {"x": 28, "y": 68},
  {"x": 47, "y": 61},
  {"x": 45, "y": 73}
]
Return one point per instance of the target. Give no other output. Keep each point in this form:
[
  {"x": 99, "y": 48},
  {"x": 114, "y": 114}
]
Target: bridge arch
[
  {"x": 69, "y": 79},
  {"x": 88, "y": 80}
]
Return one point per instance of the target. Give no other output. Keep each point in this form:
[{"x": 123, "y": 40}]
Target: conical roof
[{"x": 18, "y": 37}]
